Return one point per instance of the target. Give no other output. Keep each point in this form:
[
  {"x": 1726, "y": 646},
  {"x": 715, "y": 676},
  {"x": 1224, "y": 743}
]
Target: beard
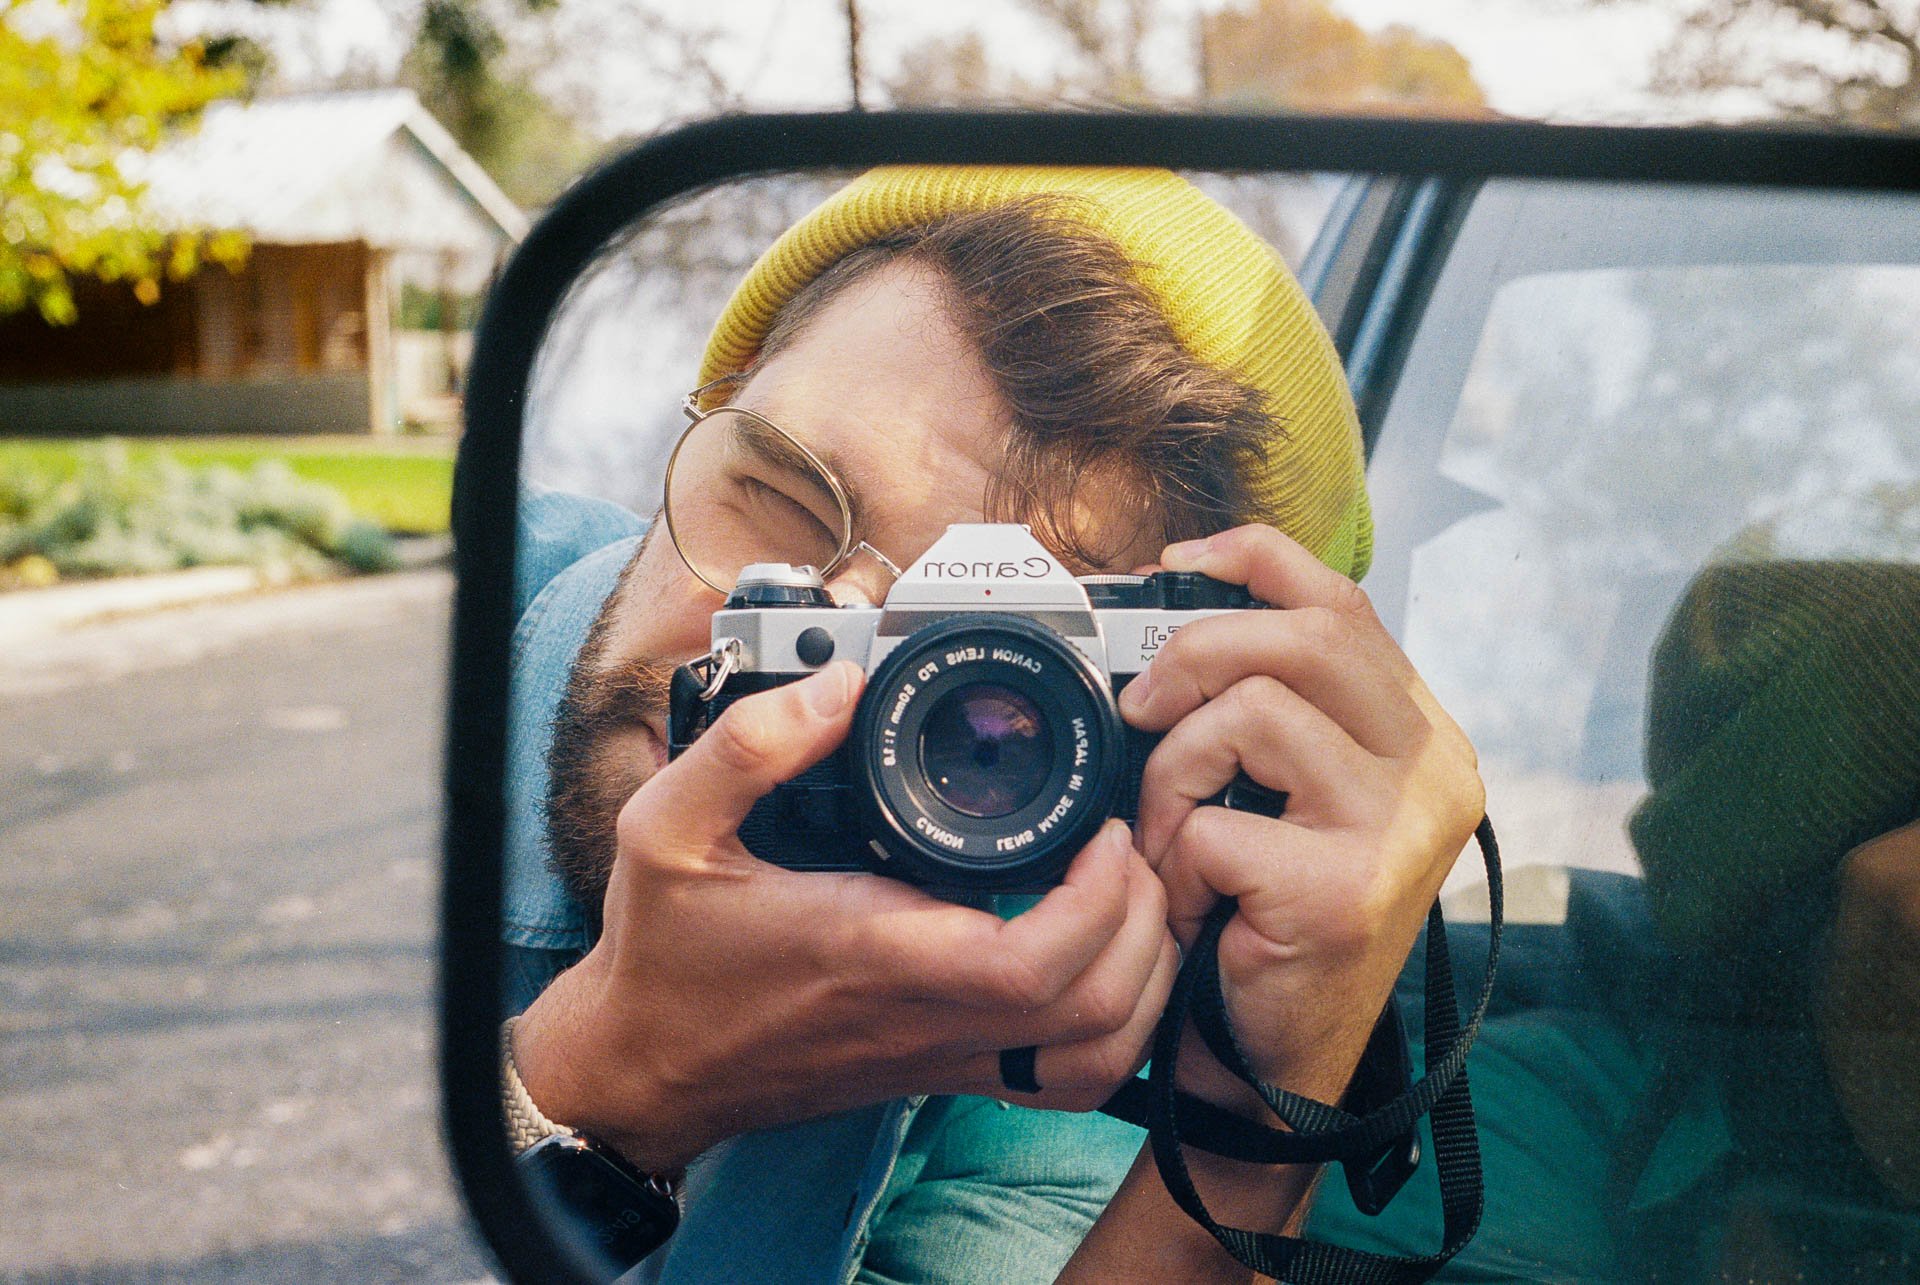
[{"x": 589, "y": 778}]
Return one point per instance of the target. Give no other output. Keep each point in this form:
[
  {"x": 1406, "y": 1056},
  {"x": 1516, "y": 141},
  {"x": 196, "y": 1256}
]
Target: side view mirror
[{"x": 1442, "y": 257}]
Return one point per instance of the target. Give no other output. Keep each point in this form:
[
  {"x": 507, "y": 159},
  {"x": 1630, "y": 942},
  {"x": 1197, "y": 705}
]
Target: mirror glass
[{"x": 1645, "y": 479}]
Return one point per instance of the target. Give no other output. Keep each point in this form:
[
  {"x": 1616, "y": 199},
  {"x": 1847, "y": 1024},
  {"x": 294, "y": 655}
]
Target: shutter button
[{"x": 814, "y": 646}]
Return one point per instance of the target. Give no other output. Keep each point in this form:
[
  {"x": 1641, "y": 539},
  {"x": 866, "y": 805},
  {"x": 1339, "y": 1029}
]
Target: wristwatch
[{"x": 626, "y": 1212}]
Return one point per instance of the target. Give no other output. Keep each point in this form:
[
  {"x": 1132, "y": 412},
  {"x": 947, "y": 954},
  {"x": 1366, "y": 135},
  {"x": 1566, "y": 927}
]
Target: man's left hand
[{"x": 1383, "y": 791}]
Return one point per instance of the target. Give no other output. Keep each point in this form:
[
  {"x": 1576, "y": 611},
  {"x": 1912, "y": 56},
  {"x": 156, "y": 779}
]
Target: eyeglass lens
[{"x": 740, "y": 491}]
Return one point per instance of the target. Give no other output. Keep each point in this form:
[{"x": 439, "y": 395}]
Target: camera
[{"x": 987, "y": 747}]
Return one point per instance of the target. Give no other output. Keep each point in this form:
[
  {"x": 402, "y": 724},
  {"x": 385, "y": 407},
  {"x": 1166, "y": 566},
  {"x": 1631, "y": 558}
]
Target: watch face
[{"x": 607, "y": 1203}]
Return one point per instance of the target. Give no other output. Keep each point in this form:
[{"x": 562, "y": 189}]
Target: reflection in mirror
[
  {"x": 626, "y": 345},
  {"x": 1646, "y": 506}
]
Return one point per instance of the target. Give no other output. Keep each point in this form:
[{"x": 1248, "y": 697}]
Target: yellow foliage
[
  {"x": 30, "y": 572},
  {"x": 1301, "y": 55},
  {"x": 76, "y": 96}
]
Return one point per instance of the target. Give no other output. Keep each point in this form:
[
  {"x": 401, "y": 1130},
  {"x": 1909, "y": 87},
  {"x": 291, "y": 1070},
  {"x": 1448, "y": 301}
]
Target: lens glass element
[{"x": 985, "y": 750}]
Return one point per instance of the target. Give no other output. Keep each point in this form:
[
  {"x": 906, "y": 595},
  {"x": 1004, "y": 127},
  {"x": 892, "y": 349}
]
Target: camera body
[{"x": 987, "y": 747}]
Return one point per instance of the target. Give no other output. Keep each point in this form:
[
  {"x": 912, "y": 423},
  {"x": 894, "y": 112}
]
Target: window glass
[
  {"x": 1649, "y": 524},
  {"x": 1618, "y": 430}
]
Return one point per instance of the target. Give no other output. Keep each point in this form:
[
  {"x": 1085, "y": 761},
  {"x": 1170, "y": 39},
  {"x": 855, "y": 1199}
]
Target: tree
[
  {"x": 86, "y": 88},
  {"x": 1300, "y": 54},
  {"x": 459, "y": 66},
  {"x": 494, "y": 110},
  {"x": 1852, "y": 61},
  {"x": 1292, "y": 54}
]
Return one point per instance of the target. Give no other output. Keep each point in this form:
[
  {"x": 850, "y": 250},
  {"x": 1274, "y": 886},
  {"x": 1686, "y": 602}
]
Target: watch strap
[
  {"x": 626, "y": 1214},
  {"x": 526, "y": 1123}
]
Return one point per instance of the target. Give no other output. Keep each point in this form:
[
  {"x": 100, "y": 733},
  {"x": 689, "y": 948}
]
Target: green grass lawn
[{"x": 404, "y": 484}]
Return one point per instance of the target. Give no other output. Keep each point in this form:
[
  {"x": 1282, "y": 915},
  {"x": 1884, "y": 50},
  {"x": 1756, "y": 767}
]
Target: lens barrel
[{"x": 986, "y": 751}]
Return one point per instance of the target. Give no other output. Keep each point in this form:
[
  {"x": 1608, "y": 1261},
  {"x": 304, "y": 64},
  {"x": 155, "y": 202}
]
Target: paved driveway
[{"x": 218, "y": 863}]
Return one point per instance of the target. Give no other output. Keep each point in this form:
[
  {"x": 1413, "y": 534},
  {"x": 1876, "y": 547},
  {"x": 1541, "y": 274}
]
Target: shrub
[{"x": 118, "y": 514}]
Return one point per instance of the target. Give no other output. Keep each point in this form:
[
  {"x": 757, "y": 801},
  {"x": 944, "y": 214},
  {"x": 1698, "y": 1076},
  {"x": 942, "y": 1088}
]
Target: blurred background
[{"x": 242, "y": 248}]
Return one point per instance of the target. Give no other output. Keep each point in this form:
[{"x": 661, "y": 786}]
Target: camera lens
[{"x": 986, "y": 750}]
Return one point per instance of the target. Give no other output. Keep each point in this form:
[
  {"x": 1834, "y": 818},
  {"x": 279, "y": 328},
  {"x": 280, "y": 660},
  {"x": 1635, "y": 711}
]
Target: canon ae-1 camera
[{"x": 987, "y": 748}]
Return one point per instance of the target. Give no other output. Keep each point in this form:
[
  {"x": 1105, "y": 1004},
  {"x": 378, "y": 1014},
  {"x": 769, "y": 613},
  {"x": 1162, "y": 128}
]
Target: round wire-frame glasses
[{"x": 696, "y": 412}]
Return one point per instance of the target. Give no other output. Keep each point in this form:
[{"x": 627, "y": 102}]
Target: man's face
[{"x": 883, "y": 388}]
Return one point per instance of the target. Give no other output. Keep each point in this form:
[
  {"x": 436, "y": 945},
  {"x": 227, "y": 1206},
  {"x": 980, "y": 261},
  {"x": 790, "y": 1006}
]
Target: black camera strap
[{"x": 1374, "y": 1137}]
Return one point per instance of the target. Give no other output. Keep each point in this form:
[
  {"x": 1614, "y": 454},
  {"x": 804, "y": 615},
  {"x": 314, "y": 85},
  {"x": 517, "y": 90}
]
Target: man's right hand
[{"x": 728, "y": 994}]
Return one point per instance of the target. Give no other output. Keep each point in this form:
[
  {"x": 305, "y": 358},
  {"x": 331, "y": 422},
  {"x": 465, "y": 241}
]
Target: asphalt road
[{"x": 218, "y": 870}]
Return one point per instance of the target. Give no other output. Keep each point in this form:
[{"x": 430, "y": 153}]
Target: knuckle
[
  {"x": 743, "y": 738},
  {"x": 1326, "y": 629},
  {"x": 1254, "y": 537},
  {"x": 1878, "y": 870},
  {"x": 1470, "y": 755},
  {"x": 1070, "y": 1094},
  {"x": 1179, "y": 651},
  {"x": 1368, "y": 904},
  {"x": 1203, "y": 830},
  {"x": 1456, "y": 802},
  {"x": 1864, "y": 873},
  {"x": 1254, "y": 697},
  {"x": 1473, "y": 794},
  {"x": 1156, "y": 901},
  {"x": 1350, "y": 601},
  {"x": 1019, "y": 982},
  {"x": 1104, "y": 1007},
  {"x": 1111, "y": 1061}
]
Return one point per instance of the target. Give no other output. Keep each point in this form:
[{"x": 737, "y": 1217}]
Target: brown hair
[{"x": 1101, "y": 389}]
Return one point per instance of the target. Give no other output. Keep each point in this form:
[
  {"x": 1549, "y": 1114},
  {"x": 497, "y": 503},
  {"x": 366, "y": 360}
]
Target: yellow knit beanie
[{"x": 1227, "y": 295}]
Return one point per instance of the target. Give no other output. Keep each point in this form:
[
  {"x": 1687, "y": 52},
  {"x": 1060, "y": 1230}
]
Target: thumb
[{"x": 700, "y": 799}]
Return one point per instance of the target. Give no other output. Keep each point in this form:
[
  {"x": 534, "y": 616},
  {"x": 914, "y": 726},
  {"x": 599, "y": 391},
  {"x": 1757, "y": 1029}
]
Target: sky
[{"x": 1547, "y": 58}]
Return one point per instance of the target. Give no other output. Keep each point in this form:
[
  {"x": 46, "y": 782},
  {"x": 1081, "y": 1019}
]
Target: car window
[
  {"x": 1650, "y": 498},
  {"x": 1646, "y": 488},
  {"x": 1576, "y": 434}
]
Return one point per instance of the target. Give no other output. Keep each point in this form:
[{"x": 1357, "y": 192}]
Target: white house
[{"x": 342, "y": 196}]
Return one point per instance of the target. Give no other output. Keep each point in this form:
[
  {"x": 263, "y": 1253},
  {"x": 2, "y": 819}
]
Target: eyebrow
[{"x": 777, "y": 450}]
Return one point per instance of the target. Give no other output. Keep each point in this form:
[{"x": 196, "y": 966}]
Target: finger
[
  {"x": 1079, "y": 1075},
  {"x": 1316, "y": 652},
  {"x": 1278, "y": 570},
  {"x": 1268, "y": 863},
  {"x": 698, "y": 801},
  {"x": 1105, "y": 995},
  {"x": 966, "y": 956},
  {"x": 1263, "y": 728}
]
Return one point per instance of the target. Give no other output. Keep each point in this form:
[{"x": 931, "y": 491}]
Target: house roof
[{"x": 371, "y": 166}]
